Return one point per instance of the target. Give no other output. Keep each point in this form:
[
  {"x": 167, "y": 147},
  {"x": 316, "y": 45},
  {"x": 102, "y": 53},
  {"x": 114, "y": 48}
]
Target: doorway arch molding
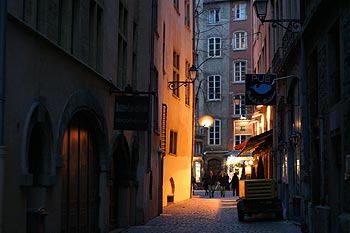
[{"x": 83, "y": 100}]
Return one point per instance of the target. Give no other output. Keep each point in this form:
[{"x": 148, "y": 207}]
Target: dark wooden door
[
  {"x": 80, "y": 185},
  {"x": 214, "y": 165}
]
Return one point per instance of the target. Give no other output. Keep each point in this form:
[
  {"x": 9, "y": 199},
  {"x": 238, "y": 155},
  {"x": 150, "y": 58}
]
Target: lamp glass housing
[
  {"x": 261, "y": 9},
  {"x": 193, "y": 72},
  {"x": 237, "y": 100}
]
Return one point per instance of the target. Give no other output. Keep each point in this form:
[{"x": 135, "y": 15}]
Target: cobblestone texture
[{"x": 215, "y": 215}]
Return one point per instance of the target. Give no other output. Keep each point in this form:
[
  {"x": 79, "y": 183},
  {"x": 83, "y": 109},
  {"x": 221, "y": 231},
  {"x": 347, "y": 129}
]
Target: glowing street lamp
[{"x": 206, "y": 121}]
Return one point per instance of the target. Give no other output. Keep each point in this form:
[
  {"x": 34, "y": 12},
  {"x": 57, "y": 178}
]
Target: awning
[
  {"x": 258, "y": 142},
  {"x": 241, "y": 145}
]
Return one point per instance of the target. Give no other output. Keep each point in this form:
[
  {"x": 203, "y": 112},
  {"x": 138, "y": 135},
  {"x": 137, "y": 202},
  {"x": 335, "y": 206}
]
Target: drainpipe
[
  {"x": 150, "y": 87},
  {"x": 194, "y": 96},
  {"x": 150, "y": 108},
  {"x": 307, "y": 225},
  {"x": 3, "y": 14}
]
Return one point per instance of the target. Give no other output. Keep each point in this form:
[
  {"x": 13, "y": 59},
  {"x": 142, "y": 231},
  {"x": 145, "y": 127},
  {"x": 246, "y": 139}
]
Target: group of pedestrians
[{"x": 212, "y": 181}]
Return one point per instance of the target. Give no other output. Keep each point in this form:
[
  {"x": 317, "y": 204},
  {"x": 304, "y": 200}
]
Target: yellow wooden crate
[{"x": 258, "y": 189}]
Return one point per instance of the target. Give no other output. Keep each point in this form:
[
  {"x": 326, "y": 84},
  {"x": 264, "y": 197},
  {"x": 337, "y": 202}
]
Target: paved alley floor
[{"x": 201, "y": 214}]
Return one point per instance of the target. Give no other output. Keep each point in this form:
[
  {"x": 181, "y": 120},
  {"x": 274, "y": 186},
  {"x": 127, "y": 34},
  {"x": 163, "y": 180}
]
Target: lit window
[
  {"x": 240, "y": 40},
  {"x": 239, "y": 109}
]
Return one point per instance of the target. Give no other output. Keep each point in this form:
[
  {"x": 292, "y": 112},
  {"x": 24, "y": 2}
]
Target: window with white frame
[
  {"x": 213, "y": 16},
  {"x": 239, "y": 109},
  {"x": 214, "y": 47},
  {"x": 240, "y": 138},
  {"x": 215, "y": 133},
  {"x": 239, "y": 71},
  {"x": 240, "y": 40},
  {"x": 239, "y": 11},
  {"x": 214, "y": 87},
  {"x": 173, "y": 142}
]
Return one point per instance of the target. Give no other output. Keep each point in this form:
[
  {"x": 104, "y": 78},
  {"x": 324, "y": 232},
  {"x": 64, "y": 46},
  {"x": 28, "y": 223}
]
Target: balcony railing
[{"x": 289, "y": 40}]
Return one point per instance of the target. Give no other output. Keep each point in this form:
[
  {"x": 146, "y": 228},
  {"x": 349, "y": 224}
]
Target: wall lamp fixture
[
  {"x": 173, "y": 85},
  {"x": 282, "y": 146},
  {"x": 261, "y": 11},
  {"x": 206, "y": 121},
  {"x": 295, "y": 138}
]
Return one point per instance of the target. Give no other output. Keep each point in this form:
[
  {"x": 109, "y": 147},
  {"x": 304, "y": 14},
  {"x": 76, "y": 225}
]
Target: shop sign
[
  {"x": 243, "y": 127},
  {"x": 260, "y": 89},
  {"x": 131, "y": 113}
]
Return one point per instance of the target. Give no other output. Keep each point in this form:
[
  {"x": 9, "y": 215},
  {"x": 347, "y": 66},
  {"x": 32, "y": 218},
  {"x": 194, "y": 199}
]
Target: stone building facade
[
  {"x": 71, "y": 70},
  {"x": 223, "y": 42},
  {"x": 310, "y": 130}
]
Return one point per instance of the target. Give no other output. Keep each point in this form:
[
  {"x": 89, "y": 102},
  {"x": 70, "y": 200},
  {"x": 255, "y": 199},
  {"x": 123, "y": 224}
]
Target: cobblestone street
[{"x": 201, "y": 214}]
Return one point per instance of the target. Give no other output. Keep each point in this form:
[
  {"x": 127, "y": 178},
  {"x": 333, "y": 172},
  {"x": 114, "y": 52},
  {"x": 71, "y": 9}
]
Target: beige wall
[{"x": 178, "y": 37}]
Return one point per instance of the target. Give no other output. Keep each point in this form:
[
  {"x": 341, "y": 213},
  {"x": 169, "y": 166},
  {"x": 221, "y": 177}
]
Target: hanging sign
[
  {"x": 131, "y": 113},
  {"x": 260, "y": 89},
  {"x": 243, "y": 127}
]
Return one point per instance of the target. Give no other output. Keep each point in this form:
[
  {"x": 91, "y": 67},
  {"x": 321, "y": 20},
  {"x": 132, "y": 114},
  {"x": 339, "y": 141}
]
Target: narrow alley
[{"x": 201, "y": 214}]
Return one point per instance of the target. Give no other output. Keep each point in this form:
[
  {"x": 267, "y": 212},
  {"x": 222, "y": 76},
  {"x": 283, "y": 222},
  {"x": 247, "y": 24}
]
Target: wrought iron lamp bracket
[
  {"x": 293, "y": 26},
  {"x": 176, "y": 85}
]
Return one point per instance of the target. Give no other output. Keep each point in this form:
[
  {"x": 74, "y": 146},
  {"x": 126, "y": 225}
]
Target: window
[
  {"x": 122, "y": 45},
  {"x": 239, "y": 71},
  {"x": 240, "y": 40},
  {"x": 240, "y": 138},
  {"x": 214, "y": 47},
  {"x": 215, "y": 133},
  {"x": 176, "y": 4},
  {"x": 188, "y": 86},
  {"x": 187, "y": 13},
  {"x": 198, "y": 148},
  {"x": 239, "y": 109},
  {"x": 214, "y": 87},
  {"x": 173, "y": 142},
  {"x": 213, "y": 16},
  {"x": 176, "y": 73},
  {"x": 239, "y": 11},
  {"x": 95, "y": 35}
]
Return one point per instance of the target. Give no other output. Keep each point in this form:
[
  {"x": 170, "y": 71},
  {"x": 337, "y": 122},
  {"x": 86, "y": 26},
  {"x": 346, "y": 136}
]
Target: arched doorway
[
  {"x": 214, "y": 165},
  {"x": 121, "y": 179},
  {"x": 37, "y": 167},
  {"x": 80, "y": 177}
]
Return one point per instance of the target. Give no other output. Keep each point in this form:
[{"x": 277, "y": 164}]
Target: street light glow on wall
[{"x": 174, "y": 85}]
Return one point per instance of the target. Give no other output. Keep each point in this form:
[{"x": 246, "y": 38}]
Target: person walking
[
  {"x": 223, "y": 182},
  {"x": 211, "y": 180},
  {"x": 194, "y": 184},
  {"x": 205, "y": 184},
  {"x": 235, "y": 184}
]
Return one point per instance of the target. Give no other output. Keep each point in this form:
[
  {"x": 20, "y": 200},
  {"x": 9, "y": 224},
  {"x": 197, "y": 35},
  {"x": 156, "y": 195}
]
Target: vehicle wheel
[{"x": 240, "y": 215}]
